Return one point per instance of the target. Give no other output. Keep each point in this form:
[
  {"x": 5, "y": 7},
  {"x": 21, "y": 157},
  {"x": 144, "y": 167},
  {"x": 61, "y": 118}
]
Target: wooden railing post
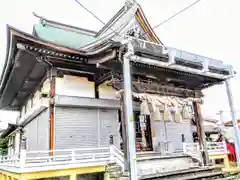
[
  {"x": 111, "y": 151},
  {"x": 23, "y": 151},
  {"x": 23, "y": 156}
]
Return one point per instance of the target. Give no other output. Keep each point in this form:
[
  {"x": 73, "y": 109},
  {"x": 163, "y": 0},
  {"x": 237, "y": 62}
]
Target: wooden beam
[
  {"x": 201, "y": 132},
  {"x": 154, "y": 88}
]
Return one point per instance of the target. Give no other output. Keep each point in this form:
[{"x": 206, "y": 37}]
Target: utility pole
[{"x": 234, "y": 121}]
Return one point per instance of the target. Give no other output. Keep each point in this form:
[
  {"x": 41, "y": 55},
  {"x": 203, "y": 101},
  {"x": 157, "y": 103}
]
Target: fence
[{"x": 54, "y": 158}]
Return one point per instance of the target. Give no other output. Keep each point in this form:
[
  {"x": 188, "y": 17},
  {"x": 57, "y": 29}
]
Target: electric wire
[
  {"x": 176, "y": 14},
  {"x": 93, "y": 14},
  {"x": 163, "y": 22}
]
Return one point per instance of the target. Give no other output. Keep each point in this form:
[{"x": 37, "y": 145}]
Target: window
[{"x": 137, "y": 124}]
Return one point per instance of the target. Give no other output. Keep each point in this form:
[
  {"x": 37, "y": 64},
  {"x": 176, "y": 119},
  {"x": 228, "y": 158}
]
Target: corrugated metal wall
[
  {"x": 75, "y": 127},
  {"x": 174, "y": 133},
  {"x": 109, "y": 127},
  {"x": 92, "y": 127},
  {"x": 85, "y": 127},
  {"x": 37, "y": 132},
  {"x": 160, "y": 130},
  {"x": 43, "y": 130}
]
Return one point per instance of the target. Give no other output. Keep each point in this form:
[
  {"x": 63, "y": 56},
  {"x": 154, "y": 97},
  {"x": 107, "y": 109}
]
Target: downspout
[
  {"x": 234, "y": 121},
  {"x": 128, "y": 112},
  {"x": 123, "y": 119},
  {"x": 52, "y": 77}
]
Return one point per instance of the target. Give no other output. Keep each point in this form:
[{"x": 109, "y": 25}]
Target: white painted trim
[{"x": 32, "y": 160}]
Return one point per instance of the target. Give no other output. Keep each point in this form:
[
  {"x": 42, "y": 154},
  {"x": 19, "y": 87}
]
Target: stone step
[
  {"x": 156, "y": 156},
  {"x": 114, "y": 168},
  {"x": 153, "y": 153},
  {"x": 193, "y": 173},
  {"x": 205, "y": 176},
  {"x": 150, "y": 153}
]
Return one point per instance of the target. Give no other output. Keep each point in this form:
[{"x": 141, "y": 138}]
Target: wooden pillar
[
  {"x": 226, "y": 161},
  {"x": 52, "y": 77},
  {"x": 96, "y": 90},
  {"x": 73, "y": 177},
  {"x": 201, "y": 132},
  {"x": 4, "y": 177}
]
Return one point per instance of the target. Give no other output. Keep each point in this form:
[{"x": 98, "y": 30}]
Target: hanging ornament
[
  {"x": 177, "y": 116},
  {"x": 156, "y": 115},
  {"x": 167, "y": 114},
  {"x": 144, "y": 109},
  {"x": 185, "y": 112},
  {"x": 151, "y": 104}
]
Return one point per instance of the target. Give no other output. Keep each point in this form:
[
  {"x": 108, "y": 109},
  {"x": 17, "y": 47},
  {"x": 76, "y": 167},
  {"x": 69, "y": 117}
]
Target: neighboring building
[
  {"x": 211, "y": 129},
  {"x": 229, "y": 123},
  {"x": 65, "y": 80},
  {"x": 210, "y": 125},
  {"x": 228, "y": 130},
  {"x": 13, "y": 137}
]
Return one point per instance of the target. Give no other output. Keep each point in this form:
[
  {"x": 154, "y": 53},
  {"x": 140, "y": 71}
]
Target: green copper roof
[{"x": 67, "y": 38}]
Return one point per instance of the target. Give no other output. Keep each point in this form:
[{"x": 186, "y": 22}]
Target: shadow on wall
[{"x": 92, "y": 176}]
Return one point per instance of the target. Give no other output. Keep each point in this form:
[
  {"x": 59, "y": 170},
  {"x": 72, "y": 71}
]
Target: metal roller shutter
[
  {"x": 174, "y": 134},
  {"x": 109, "y": 127},
  {"x": 160, "y": 130},
  {"x": 30, "y": 132},
  {"x": 37, "y": 132},
  {"x": 43, "y": 130},
  {"x": 75, "y": 127}
]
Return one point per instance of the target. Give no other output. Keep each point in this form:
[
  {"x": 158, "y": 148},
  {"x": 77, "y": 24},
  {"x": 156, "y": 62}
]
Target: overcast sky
[{"x": 210, "y": 28}]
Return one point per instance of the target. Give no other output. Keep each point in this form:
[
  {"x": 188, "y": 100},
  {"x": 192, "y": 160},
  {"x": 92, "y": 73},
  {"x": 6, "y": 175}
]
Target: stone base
[{"x": 162, "y": 164}]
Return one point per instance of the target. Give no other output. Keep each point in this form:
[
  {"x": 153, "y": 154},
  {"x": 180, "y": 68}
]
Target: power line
[
  {"x": 176, "y": 14},
  {"x": 168, "y": 19},
  {"x": 89, "y": 11}
]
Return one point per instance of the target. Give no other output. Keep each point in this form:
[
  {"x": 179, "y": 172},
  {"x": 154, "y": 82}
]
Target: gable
[
  {"x": 129, "y": 17},
  {"x": 143, "y": 22}
]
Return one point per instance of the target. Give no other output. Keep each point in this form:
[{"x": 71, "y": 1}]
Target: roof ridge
[
  {"x": 127, "y": 6},
  {"x": 111, "y": 21}
]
